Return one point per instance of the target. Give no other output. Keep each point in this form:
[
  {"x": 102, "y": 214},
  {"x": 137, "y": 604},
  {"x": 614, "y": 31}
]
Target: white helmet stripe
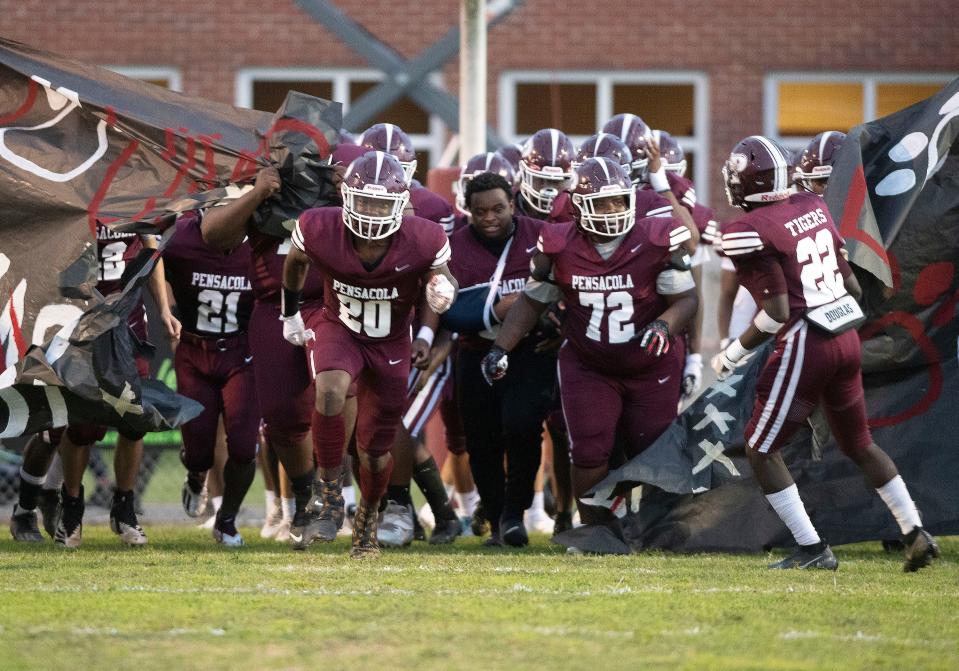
[
  {"x": 489, "y": 160},
  {"x": 379, "y": 165},
  {"x": 554, "y": 136},
  {"x": 605, "y": 169},
  {"x": 822, "y": 144},
  {"x": 782, "y": 165},
  {"x": 389, "y": 136}
]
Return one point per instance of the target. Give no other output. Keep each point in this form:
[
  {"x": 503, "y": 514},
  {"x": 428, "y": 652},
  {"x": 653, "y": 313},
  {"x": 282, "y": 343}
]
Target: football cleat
[
  {"x": 69, "y": 531},
  {"x": 809, "y": 556},
  {"x": 49, "y": 503},
  {"x": 123, "y": 520},
  {"x": 305, "y": 526},
  {"x": 479, "y": 524},
  {"x": 274, "y": 517},
  {"x": 513, "y": 532},
  {"x": 365, "y": 545},
  {"x": 23, "y": 525},
  {"x": 419, "y": 533},
  {"x": 921, "y": 549},
  {"x": 330, "y": 509},
  {"x": 194, "y": 498},
  {"x": 563, "y": 522},
  {"x": 446, "y": 531},
  {"x": 537, "y": 520},
  {"x": 395, "y": 526},
  {"x": 226, "y": 534}
]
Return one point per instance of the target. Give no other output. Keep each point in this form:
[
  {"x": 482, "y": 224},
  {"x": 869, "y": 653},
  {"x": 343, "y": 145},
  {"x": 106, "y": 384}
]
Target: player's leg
[
  {"x": 74, "y": 451},
  {"x": 456, "y": 470},
  {"x": 396, "y": 527},
  {"x": 845, "y": 409},
  {"x": 126, "y": 465},
  {"x": 33, "y": 471},
  {"x": 269, "y": 468},
  {"x": 200, "y": 433},
  {"x": 562, "y": 485}
]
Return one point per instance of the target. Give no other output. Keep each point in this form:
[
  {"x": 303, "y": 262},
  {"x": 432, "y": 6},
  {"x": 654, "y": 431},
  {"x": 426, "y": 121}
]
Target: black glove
[
  {"x": 494, "y": 364},
  {"x": 655, "y": 338}
]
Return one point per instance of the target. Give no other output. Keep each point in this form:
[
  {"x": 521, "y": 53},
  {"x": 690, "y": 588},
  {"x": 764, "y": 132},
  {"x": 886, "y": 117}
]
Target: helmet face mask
[
  {"x": 374, "y": 193},
  {"x": 604, "y": 197}
]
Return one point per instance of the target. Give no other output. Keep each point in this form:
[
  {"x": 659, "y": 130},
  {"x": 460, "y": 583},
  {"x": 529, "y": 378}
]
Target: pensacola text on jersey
[
  {"x": 228, "y": 282},
  {"x": 365, "y": 293},
  {"x": 601, "y": 282}
]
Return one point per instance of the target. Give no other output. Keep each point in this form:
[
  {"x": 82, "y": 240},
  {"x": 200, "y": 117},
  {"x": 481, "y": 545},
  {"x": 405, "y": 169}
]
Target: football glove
[
  {"x": 692, "y": 374},
  {"x": 654, "y": 339},
  {"x": 295, "y": 331},
  {"x": 494, "y": 364},
  {"x": 440, "y": 293}
]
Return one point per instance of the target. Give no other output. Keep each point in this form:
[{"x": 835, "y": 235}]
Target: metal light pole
[{"x": 472, "y": 78}]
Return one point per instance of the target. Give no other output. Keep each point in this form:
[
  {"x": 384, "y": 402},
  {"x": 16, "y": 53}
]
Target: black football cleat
[
  {"x": 446, "y": 531},
  {"x": 921, "y": 549},
  {"x": 514, "y": 532},
  {"x": 809, "y": 557},
  {"x": 23, "y": 525},
  {"x": 479, "y": 525},
  {"x": 563, "y": 522}
]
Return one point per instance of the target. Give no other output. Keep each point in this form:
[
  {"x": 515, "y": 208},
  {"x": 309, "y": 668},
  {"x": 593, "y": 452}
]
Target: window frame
[
  {"x": 696, "y": 144},
  {"x": 147, "y": 72},
  {"x": 433, "y": 142},
  {"x": 869, "y": 81}
]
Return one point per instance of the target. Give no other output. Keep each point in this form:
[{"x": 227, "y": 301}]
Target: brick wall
[{"x": 734, "y": 43}]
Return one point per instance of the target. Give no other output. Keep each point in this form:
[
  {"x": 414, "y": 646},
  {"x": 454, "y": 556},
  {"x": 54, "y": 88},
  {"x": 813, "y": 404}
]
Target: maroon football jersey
[
  {"x": 374, "y": 304},
  {"x": 114, "y": 251},
  {"x": 428, "y": 205},
  {"x": 789, "y": 247},
  {"x": 212, "y": 289},
  {"x": 266, "y": 273},
  {"x": 609, "y": 301}
]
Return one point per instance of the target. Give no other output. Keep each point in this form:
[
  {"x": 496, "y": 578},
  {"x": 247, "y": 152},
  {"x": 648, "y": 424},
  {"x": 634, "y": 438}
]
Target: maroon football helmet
[
  {"x": 757, "y": 171},
  {"x": 633, "y": 131},
  {"x": 815, "y": 161},
  {"x": 512, "y": 153},
  {"x": 545, "y": 168},
  {"x": 604, "y": 144},
  {"x": 392, "y": 139},
  {"x": 375, "y": 192},
  {"x": 671, "y": 153},
  {"x": 605, "y": 197},
  {"x": 478, "y": 164}
]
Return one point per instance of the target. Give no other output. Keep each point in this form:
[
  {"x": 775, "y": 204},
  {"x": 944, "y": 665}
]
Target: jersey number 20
[{"x": 369, "y": 317}]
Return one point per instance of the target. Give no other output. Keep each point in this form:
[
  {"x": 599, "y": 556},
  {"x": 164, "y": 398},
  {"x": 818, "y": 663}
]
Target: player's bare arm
[
  {"x": 295, "y": 268},
  {"x": 158, "y": 290},
  {"x": 225, "y": 227}
]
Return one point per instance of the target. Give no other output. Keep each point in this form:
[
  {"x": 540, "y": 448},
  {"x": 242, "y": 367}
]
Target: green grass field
[{"x": 182, "y": 603}]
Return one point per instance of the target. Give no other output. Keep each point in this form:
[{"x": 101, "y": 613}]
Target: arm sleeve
[
  {"x": 672, "y": 281},
  {"x": 543, "y": 292}
]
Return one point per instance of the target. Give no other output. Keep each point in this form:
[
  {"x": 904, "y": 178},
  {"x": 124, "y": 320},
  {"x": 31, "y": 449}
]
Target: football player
[
  {"x": 621, "y": 363},
  {"x": 787, "y": 254},
  {"x": 376, "y": 263},
  {"x": 213, "y": 366},
  {"x": 814, "y": 166}
]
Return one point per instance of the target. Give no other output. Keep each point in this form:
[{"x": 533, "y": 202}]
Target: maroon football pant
[
  {"x": 284, "y": 388},
  {"x": 809, "y": 366},
  {"x": 597, "y": 404},
  {"x": 380, "y": 371},
  {"x": 219, "y": 377}
]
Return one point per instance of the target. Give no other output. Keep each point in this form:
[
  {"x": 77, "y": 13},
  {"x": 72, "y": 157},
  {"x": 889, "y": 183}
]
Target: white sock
[
  {"x": 349, "y": 496},
  {"x": 467, "y": 502},
  {"x": 54, "y": 474},
  {"x": 217, "y": 501},
  {"x": 270, "y": 497},
  {"x": 289, "y": 509},
  {"x": 32, "y": 479},
  {"x": 537, "y": 506},
  {"x": 900, "y": 504},
  {"x": 791, "y": 511}
]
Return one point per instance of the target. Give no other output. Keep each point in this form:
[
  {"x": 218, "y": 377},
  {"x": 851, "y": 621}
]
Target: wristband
[
  {"x": 427, "y": 334},
  {"x": 658, "y": 180},
  {"x": 735, "y": 351},
  {"x": 289, "y": 301},
  {"x": 766, "y": 324}
]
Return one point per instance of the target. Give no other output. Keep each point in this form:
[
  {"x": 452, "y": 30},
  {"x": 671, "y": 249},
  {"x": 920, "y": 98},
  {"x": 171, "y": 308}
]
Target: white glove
[
  {"x": 295, "y": 331},
  {"x": 692, "y": 374},
  {"x": 731, "y": 357},
  {"x": 440, "y": 293}
]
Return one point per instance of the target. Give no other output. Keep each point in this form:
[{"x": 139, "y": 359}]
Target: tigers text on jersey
[
  {"x": 609, "y": 301},
  {"x": 375, "y": 304},
  {"x": 791, "y": 247},
  {"x": 212, "y": 289}
]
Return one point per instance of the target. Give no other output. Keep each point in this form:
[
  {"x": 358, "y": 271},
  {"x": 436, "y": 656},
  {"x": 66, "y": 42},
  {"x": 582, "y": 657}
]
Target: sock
[
  {"x": 349, "y": 495},
  {"x": 373, "y": 485},
  {"x": 399, "y": 494},
  {"x": 427, "y": 478},
  {"x": 467, "y": 502},
  {"x": 216, "y": 502},
  {"x": 329, "y": 434},
  {"x": 270, "y": 500},
  {"x": 237, "y": 478},
  {"x": 537, "y": 506},
  {"x": 30, "y": 486},
  {"x": 289, "y": 508},
  {"x": 303, "y": 489},
  {"x": 54, "y": 474},
  {"x": 789, "y": 507},
  {"x": 900, "y": 504}
]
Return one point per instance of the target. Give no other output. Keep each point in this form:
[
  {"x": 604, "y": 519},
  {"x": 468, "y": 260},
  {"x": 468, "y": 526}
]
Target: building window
[
  {"x": 265, "y": 89},
  {"x": 579, "y": 103},
  {"x": 168, "y": 78},
  {"x": 799, "y": 105}
]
